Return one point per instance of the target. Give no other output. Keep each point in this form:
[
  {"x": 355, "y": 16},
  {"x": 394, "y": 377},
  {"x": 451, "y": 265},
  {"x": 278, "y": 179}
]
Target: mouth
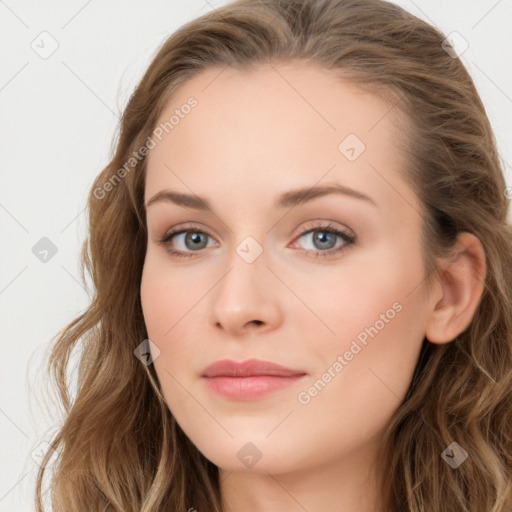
[
  {"x": 248, "y": 388},
  {"x": 249, "y": 379}
]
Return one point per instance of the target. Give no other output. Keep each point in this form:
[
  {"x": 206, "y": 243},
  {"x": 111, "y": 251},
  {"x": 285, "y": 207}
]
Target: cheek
[
  {"x": 377, "y": 334},
  {"x": 168, "y": 300},
  {"x": 166, "y": 296},
  {"x": 377, "y": 326},
  {"x": 154, "y": 302},
  {"x": 364, "y": 371},
  {"x": 376, "y": 296}
]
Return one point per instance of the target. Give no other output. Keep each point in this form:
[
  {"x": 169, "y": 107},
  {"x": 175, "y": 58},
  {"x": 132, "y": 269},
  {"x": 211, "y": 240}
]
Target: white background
[{"x": 58, "y": 117}]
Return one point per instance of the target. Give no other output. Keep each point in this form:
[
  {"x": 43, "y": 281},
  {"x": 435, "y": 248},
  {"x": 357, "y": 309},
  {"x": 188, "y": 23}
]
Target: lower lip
[{"x": 247, "y": 388}]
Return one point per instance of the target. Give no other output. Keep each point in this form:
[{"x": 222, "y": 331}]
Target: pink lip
[{"x": 249, "y": 379}]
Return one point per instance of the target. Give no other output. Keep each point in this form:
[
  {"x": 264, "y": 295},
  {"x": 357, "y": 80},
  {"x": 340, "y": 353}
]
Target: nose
[{"x": 246, "y": 298}]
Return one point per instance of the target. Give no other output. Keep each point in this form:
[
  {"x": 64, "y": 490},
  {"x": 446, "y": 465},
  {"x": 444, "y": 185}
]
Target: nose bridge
[
  {"x": 243, "y": 293},
  {"x": 246, "y": 267}
]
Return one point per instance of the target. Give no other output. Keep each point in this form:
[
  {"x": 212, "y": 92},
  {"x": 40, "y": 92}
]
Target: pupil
[
  {"x": 321, "y": 238},
  {"x": 195, "y": 238}
]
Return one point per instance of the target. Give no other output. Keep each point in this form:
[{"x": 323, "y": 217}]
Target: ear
[{"x": 461, "y": 284}]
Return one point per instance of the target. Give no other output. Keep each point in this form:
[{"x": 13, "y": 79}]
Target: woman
[{"x": 269, "y": 370}]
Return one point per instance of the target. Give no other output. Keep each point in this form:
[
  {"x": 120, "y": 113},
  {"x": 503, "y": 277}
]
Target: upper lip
[{"x": 248, "y": 368}]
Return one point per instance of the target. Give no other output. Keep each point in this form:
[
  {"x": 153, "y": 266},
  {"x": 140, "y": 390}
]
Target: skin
[{"x": 252, "y": 136}]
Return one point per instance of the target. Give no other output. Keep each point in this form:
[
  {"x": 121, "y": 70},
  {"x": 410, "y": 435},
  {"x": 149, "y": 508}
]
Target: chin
[{"x": 249, "y": 455}]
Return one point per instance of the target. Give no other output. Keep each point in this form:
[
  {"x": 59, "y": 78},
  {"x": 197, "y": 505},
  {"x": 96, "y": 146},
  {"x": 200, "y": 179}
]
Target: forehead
[{"x": 276, "y": 126}]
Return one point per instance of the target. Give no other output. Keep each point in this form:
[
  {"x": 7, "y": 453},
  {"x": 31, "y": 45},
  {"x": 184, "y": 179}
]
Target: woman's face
[{"x": 261, "y": 278}]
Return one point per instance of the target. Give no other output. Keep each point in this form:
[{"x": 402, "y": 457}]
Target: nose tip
[{"x": 241, "y": 303}]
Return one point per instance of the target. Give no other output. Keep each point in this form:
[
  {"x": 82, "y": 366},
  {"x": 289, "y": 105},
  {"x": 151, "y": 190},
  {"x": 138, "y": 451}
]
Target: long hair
[{"x": 119, "y": 447}]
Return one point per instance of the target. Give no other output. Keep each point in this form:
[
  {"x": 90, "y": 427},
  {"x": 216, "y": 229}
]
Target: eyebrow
[{"x": 288, "y": 199}]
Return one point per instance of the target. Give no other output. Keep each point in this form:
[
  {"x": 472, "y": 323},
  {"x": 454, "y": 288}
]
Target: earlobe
[{"x": 461, "y": 278}]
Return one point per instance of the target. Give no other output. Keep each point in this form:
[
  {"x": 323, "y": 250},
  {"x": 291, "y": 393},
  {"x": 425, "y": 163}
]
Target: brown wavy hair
[{"x": 119, "y": 447}]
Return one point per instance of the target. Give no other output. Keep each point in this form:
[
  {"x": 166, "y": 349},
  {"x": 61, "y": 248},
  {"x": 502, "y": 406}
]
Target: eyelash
[{"x": 329, "y": 228}]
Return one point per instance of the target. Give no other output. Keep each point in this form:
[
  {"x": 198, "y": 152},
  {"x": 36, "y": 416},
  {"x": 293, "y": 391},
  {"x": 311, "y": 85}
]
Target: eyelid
[
  {"x": 183, "y": 227},
  {"x": 319, "y": 224},
  {"x": 310, "y": 226}
]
